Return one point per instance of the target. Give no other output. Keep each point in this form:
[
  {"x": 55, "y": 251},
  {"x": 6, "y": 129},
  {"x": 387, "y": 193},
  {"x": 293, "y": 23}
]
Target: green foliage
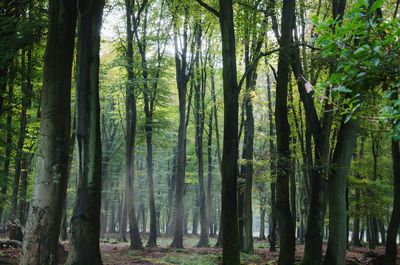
[{"x": 364, "y": 49}]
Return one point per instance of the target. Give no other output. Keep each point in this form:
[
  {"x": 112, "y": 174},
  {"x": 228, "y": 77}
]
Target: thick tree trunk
[
  {"x": 285, "y": 221},
  {"x": 337, "y": 183},
  {"x": 393, "y": 229},
  {"x": 229, "y": 165},
  {"x": 85, "y": 221},
  {"x": 46, "y": 209}
]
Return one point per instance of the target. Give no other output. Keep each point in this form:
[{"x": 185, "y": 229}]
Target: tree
[
  {"x": 200, "y": 90},
  {"x": 46, "y": 209},
  {"x": 230, "y": 153},
  {"x": 85, "y": 220},
  {"x": 391, "y": 243},
  {"x": 183, "y": 69},
  {"x": 128, "y": 207},
  {"x": 284, "y": 215}
]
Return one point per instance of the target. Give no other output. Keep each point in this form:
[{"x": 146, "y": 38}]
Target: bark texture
[
  {"x": 85, "y": 221},
  {"x": 46, "y": 210}
]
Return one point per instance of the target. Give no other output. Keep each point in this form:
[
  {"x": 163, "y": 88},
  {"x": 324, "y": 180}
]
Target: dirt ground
[{"x": 114, "y": 252}]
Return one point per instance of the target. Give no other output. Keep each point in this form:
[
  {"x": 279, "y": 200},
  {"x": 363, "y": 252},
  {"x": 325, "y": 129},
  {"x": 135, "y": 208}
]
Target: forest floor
[{"x": 114, "y": 252}]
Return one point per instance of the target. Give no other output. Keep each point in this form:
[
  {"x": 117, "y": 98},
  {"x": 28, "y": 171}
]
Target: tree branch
[{"x": 208, "y": 7}]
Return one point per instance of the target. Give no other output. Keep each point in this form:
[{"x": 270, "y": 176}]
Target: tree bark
[
  {"x": 285, "y": 221},
  {"x": 9, "y": 141},
  {"x": 45, "y": 213},
  {"x": 85, "y": 221},
  {"x": 131, "y": 114},
  {"x": 182, "y": 77},
  {"x": 273, "y": 225},
  {"x": 210, "y": 173},
  {"x": 337, "y": 183},
  {"x": 229, "y": 165},
  {"x": 200, "y": 89},
  {"x": 20, "y": 156},
  {"x": 391, "y": 241}
]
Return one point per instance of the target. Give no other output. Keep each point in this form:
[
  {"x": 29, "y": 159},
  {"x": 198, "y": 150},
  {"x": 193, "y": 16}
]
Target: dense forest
[{"x": 199, "y": 132}]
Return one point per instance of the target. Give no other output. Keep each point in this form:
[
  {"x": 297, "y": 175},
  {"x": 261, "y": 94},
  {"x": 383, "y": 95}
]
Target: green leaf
[{"x": 341, "y": 89}]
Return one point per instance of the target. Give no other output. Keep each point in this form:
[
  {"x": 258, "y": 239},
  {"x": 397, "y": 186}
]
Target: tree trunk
[
  {"x": 9, "y": 141},
  {"x": 391, "y": 241},
  {"x": 131, "y": 114},
  {"x": 124, "y": 217},
  {"x": 229, "y": 165},
  {"x": 210, "y": 174},
  {"x": 285, "y": 221},
  {"x": 273, "y": 224},
  {"x": 337, "y": 183},
  {"x": 171, "y": 187},
  {"x": 355, "y": 240},
  {"x": 85, "y": 221},
  {"x": 182, "y": 78},
  {"x": 247, "y": 167},
  {"x": 263, "y": 202},
  {"x": 46, "y": 209},
  {"x": 20, "y": 156}
]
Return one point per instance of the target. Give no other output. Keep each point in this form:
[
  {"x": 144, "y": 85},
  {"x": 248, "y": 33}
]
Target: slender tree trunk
[
  {"x": 171, "y": 187},
  {"x": 20, "y": 156},
  {"x": 182, "y": 78},
  {"x": 200, "y": 87},
  {"x": 131, "y": 114},
  {"x": 247, "y": 168},
  {"x": 46, "y": 209},
  {"x": 273, "y": 225},
  {"x": 124, "y": 217},
  {"x": 27, "y": 156},
  {"x": 218, "y": 146},
  {"x": 355, "y": 240},
  {"x": 9, "y": 141},
  {"x": 85, "y": 221},
  {"x": 263, "y": 202},
  {"x": 210, "y": 174},
  {"x": 285, "y": 221}
]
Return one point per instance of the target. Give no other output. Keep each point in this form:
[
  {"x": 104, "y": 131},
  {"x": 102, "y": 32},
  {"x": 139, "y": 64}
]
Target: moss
[
  {"x": 249, "y": 258},
  {"x": 195, "y": 259}
]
